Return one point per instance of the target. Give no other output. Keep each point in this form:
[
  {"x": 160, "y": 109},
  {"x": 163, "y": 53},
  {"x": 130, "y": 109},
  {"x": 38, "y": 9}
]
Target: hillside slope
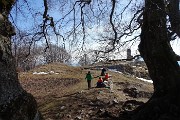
[{"x": 61, "y": 93}]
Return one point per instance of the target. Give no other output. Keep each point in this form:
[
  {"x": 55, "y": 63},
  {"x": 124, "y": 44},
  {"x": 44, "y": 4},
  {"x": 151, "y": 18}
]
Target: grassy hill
[{"x": 61, "y": 92}]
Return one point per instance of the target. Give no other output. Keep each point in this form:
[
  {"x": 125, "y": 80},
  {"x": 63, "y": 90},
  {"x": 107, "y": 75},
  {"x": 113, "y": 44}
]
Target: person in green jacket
[{"x": 89, "y": 78}]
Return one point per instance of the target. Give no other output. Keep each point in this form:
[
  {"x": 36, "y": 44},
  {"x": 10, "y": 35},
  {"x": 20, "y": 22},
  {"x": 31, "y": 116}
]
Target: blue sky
[
  {"x": 25, "y": 19},
  {"x": 23, "y": 13}
]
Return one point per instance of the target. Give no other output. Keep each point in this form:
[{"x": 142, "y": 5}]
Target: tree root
[
  {"x": 22, "y": 108},
  {"x": 164, "y": 108}
]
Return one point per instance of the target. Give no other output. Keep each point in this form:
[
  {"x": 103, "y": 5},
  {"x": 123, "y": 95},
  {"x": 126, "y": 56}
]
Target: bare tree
[
  {"x": 152, "y": 16},
  {"x": 84, "y": 60},
  {"x": 15, "y": 102},
  {"x": 56, "y": 54},
  {"x": 161, "y": 62},
  {"x": 28, "y": 56},
  {"x": 21, "y": 48}
]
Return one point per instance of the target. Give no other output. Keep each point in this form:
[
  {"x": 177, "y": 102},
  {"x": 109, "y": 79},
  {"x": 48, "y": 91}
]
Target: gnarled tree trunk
[
  {"x": 15, "y": 103},
  {"x": 162, "y": 65}
]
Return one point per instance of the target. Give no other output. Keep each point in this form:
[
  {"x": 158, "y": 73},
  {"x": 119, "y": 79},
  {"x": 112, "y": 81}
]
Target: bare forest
[{"x": 48, "y": 46}]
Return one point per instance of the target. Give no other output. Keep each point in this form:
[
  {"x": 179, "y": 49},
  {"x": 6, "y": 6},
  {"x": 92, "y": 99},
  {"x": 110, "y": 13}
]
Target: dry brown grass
[
  {"x": 50, "y": 93},
  {"x": 62, "y": 70},
  {"x": 65, "y": 71}
]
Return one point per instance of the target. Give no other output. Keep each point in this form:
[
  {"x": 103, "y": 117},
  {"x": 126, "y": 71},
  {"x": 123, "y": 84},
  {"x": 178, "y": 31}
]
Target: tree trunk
[
  {"x": 162, "y": 65},
  {"x": 15, "y": 103}
]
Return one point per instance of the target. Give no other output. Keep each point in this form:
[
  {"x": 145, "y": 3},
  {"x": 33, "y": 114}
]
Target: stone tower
[{"x": 129, "y": 54}]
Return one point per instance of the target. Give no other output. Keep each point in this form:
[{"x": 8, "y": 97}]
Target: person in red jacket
[
  {"x": 100, "y": 80},
  {"x": 106, "y": 77},
  {"x": 100, "y": 83}
]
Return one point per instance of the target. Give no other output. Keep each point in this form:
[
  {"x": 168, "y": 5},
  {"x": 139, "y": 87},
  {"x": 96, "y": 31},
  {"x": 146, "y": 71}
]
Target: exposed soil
[{"x": 94, "y": 104}]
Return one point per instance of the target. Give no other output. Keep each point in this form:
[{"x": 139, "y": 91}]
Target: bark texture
[
  {"x": 162, "y": 65},
  {"x": 15, "y": 103}
]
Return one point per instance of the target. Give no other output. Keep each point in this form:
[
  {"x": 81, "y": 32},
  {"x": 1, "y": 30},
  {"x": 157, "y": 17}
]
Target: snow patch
[
  {"x": 51, "y": 72},
  {"x": 115, "y": 70},
  {"x": 44, "y": 73},
  {"x": 150, "y": 81},
  {"x": 39, "y": 73}
]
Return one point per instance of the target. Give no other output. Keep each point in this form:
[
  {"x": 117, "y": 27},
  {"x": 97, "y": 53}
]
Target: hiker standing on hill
[
  {"x": 103, "y": 72},
  {"x": 89, "y": 78}
]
